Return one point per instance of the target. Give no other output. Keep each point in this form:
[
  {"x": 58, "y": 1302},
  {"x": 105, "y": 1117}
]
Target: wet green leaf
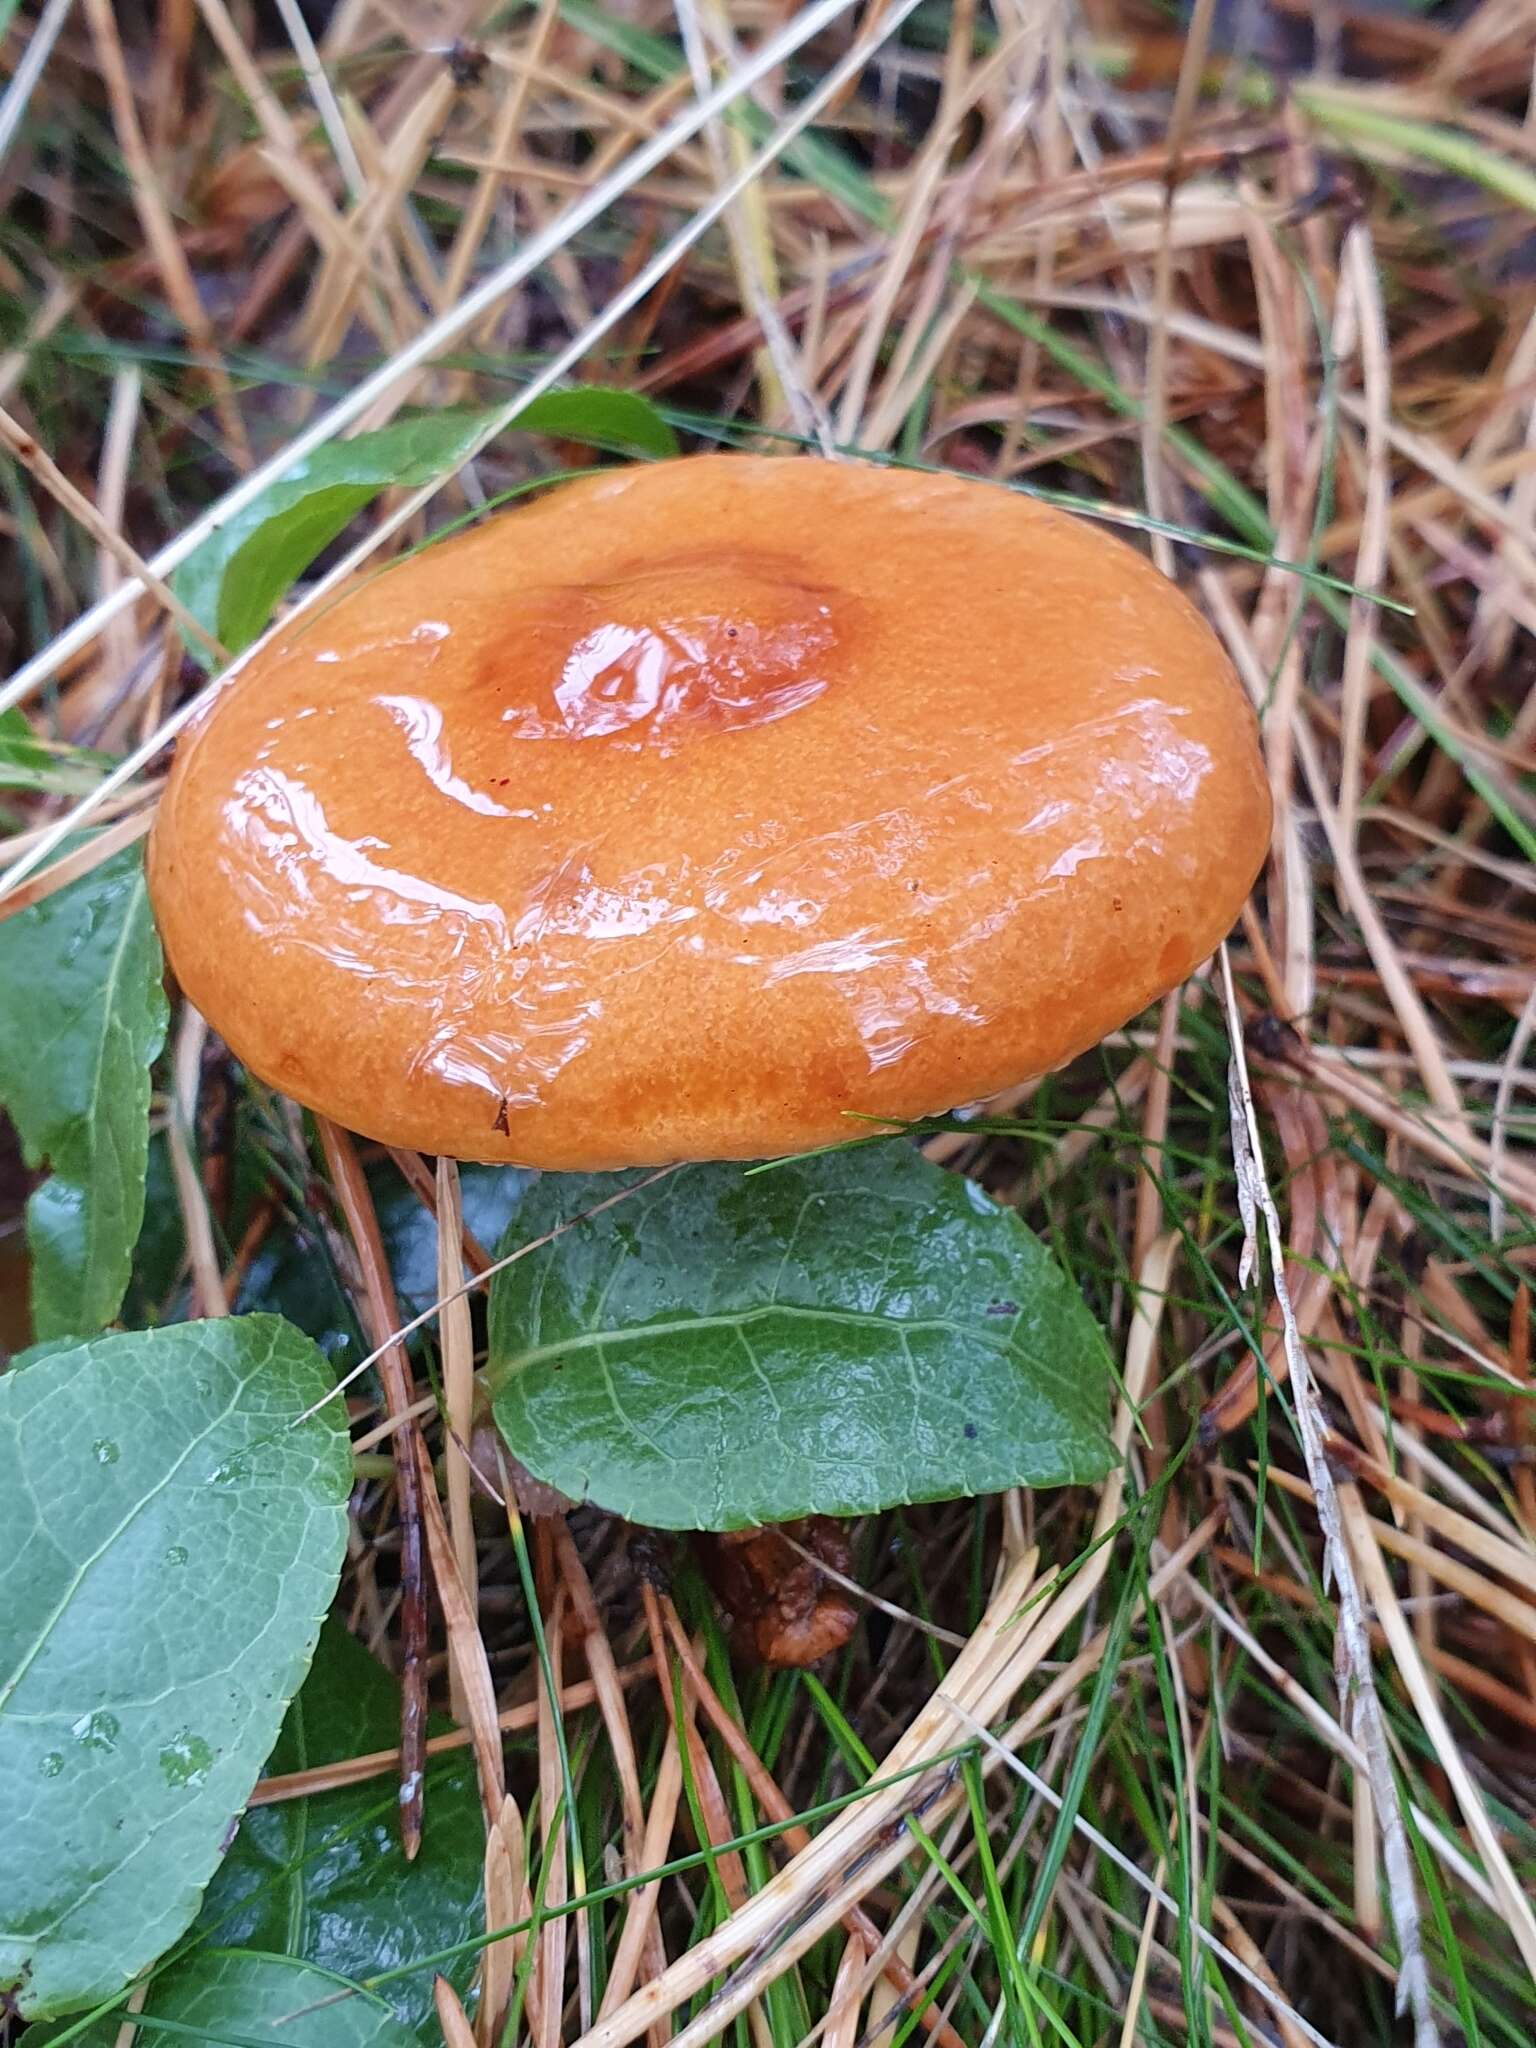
[
  {"x": 237, "y": 576},
  {"x": 833, "y": 1336},
  {"x": 325, "y": 1879},
  {"x": 170, "y": 1539},
  {"x": 243, "y": 2000},
  {"x": 44, "y": 766},
  {"x": 159, "y": 1257},
  {"x": 599, "y": 417},
  {"x": 82, "y": 1016}
]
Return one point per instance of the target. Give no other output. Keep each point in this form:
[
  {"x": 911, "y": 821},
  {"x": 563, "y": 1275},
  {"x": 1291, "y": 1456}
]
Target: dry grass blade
[
  {"x": 466, "y": 1650},
  {"x": 451, "y": 2017},
  {"x": 1155, "y": 410},
  {"x": 159, "y": 229},
  {"x": 1512, "y": 1897},
  {"x": 1365, "y": 1717},
  {"x": 1130, "y": 2025},
  {"x": 80, "y": 861},
  {"x": 456, "y": 1348},
  {"x": 128, "y": 2032},
  {"x": 29, "y": 69},
  {"x": 377, "y": 1292},
  {"x": 40, "y": 463},
  {"x": 640, "y": 1913},
  {"x": 842, "y": 2027},
  {"x": 506, "y": 1905},
  {"x": 196, "y": 1214},
  {"x": 1360, "y": 271},
  {"x": 378, "y": 1763}
]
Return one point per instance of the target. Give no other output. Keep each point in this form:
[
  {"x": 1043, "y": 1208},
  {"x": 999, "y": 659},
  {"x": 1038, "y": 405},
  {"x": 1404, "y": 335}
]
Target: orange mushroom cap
[{"x": 696, "y": 805}]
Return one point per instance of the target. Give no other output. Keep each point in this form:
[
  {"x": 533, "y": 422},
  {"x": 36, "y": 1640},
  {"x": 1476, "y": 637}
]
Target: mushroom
[
  {"x": 782, "y": 1604},
  {"x": 700, "y": 808}
]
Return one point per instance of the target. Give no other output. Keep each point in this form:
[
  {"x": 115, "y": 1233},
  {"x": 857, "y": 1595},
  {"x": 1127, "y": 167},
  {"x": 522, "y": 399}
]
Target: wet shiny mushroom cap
[{"x": 695, "y": 806}]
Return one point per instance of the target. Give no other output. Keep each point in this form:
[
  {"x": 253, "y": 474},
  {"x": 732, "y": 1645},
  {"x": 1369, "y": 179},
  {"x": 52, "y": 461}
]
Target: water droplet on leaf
[
  {"x": 185, "y": 1759},
  {"x": 96, "y": 1731}
]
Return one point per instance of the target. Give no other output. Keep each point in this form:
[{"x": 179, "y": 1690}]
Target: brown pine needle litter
[{"x": 1241, "y": 1745}]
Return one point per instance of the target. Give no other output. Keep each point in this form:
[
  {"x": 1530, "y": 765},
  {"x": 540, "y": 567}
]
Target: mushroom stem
[{"x": 382, "y": 1318}]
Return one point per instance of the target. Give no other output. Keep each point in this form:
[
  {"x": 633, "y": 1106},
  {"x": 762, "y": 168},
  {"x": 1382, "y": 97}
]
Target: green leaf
[
  {"x": 170, "y": 1537},
  {"x": 325, "y": 1878},
  {"x": 232, "y": 582},
  {"x": 834, "y": 1336},
  {"x": 600, "y": 417},
  {"x": 82, "y": 1016},
  {"x": 160, "y": 1255},
  {"x": 45, "y": 766},
  {"x": 248, "y": 2001}
]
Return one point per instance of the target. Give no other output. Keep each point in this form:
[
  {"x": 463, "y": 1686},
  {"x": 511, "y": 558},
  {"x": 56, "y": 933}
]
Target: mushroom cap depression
[{"x": 697, "y": 806}]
